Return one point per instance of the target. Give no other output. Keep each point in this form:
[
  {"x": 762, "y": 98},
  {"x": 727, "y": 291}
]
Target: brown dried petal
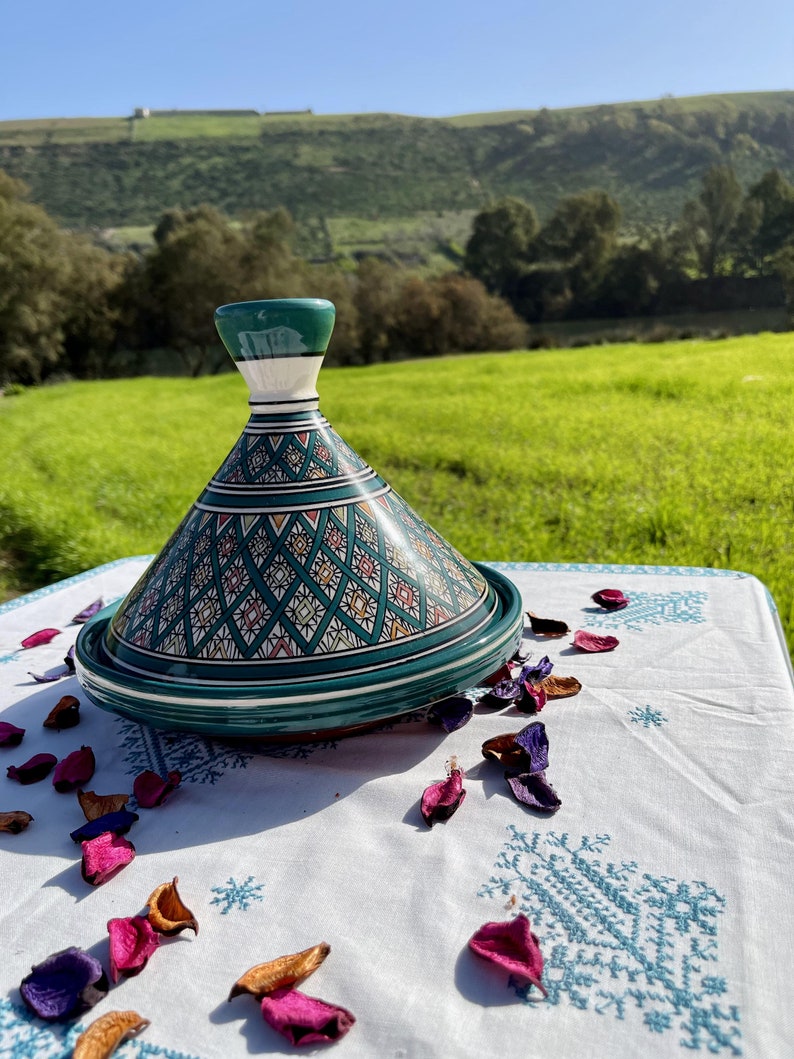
[
  {"x": 14, "y": 822},
  {"x": 167, "y": 913},
  {"x": 547, "y": 626},
  {"x": 263, "y": 979},
  {"x": 504, "y": 749},
  {"x": 64, "y": 714},
  {"x": 96, "y": 805},
  {"x": 106, "y": 1033},
  {"x": 560, "y": 687}
]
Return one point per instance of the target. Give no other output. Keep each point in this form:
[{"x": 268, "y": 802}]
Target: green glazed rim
[{"x": 302, "y": 708}]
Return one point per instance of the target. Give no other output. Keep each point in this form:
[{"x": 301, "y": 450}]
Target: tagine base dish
[{"x": 301, "y": 710}]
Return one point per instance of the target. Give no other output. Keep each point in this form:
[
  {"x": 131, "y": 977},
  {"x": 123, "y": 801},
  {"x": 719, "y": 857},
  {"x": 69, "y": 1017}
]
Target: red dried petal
[
  {"x": 34, "y": 769},
  {"x": 75, "y": 770},
  {"x": 10, "y": 735},
  {"x": 104, "y": 856},
  {"x": 511, "y": 946},
  {"x": 590, "y": 641},
  {"x": 610, "y": 599},
  {"x": 150, "y": 790},
  {"x": 38, "y": 639},
  {"x": 547, "y": 626},
  {"x": 64, "y": 714},
  {"x": 132, "y": 942},
  {"x": 305, "y": 1019},
  {"x": 503, "y": 673},
  {"x": 440, "y": 800}
]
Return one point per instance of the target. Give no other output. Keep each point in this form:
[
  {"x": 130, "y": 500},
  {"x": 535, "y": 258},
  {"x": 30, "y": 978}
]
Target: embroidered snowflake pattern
[
  {"x": 647, "y": 717},
  {"x": 618, "y": 941},
  {"x": 199, "y": 759},
  {"x": 236, "y": 895},
  {"x": 653, "y": 608}
]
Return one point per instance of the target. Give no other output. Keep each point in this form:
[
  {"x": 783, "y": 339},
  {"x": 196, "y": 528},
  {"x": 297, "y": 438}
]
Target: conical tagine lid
[{"x": 300, "y": 595}]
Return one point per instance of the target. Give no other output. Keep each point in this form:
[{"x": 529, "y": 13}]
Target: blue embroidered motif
[
  {"x": 235, "y": 894},
  {"x": 616, "y": 940},
  {"x": 653, "y": 608},
  {"x": 23, "y": 1036},
  {"x": 647, "y": 717},
  {"x": 199, "y": 759}
]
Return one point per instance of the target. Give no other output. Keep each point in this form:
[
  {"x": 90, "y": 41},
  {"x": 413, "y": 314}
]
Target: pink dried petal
[
  {"x": 534, "y": 790},
  {"x": 75, "y": 770},
  {"x": 590, "y": 641},
  {"x": 132, "y": 942},
  {"x": 610, "y": 599},
  {"x": 440, "y": 800},
  {"x": 305, "y": 1019},
  {"x": 150, "y": 790},
  {"x": 10, "y": 735},
  {"x": 89, "y": 612},
  {"x": 34, "y": 769},
  {"x": 532, "y": 700},
  {"x": 511, "y": 946},
  {"x": 38, "y": 639},
  {"x": 104, "y": 856}
]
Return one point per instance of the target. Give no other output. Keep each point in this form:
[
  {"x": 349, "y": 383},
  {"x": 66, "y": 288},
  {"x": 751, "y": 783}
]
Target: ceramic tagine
[{"x": 300, "y": 596}]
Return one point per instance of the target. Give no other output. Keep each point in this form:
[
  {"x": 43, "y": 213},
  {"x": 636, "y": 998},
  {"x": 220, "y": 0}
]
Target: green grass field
[{"x": 676, "y": 454}]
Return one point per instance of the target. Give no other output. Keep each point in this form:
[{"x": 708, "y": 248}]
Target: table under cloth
[{"x": 661, "y": 891}]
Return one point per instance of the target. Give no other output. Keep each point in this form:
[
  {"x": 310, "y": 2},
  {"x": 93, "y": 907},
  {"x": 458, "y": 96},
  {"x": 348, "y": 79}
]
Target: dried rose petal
[
  {"x": 64, "y": 985},
  {"x": 533, "y": 674},
  {"x": 117, "y": 823},
  {"x": 106, "y": 1033},
  {"x": 610, "y": 599},
  {"x": 451, "y": 713},
  {"x": 442, "y": 799},
  {"x": 64, "y": 714},
  {"x": 89, "y": 612},
  {"x": 38, "y": 639},
  {"x": 502, "y": 694},
  {"x": 150, "y": 790},
  {"x": 104, "y": 856},
  {"x": 132, "y": 942},
  {"x": 51, "y": 675},
  {"x": 547, "y": 626},
  {"x": 304, "y": 1019},
  {"x": 534, "y": 790},
  {"x": 75, "y": 770},
  {"x": 502, "y": 673},
  {"x": 34, "y": 769},
  {"x": 15, "y": 821},
  {"x": 69, "y": 659},
  {"x": 511, "y": 946},
  {"x": 504, "y": 749},
  {"x": 282, "y": 972},
  {"x": 10, "y": 735},
  {"x": 590, "y": 641},
  {"x": 535, "y": 744},
  {"x": 532, "y": 700},
  {"x": 560, "y": 687},
  {"x": 167, "y": 912},
  {"x": 95, "y": 805}
]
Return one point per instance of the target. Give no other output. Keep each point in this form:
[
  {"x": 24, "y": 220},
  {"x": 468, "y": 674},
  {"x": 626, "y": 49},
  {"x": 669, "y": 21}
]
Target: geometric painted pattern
[{"x": 621, "y": 942}]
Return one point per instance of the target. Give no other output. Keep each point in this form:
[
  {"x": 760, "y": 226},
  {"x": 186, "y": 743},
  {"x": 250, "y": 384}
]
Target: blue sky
[{"x": 432, "y": 58}]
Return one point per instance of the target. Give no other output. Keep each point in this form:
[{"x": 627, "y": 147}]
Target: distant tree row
[{"x": 578, "y": 265}]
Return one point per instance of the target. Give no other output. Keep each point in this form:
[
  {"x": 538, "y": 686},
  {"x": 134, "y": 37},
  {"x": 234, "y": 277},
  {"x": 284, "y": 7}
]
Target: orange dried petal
[
  {"x": 15, "y": 821},
  {"x": 504, "y": 749},
  {"x": 106, "y": 1033},
  {"x": 263, "y": 979},
  {"x": 168, "y": 914},
  {"x": 95, "y": 805},
  {"x": 560, "y": 687}
]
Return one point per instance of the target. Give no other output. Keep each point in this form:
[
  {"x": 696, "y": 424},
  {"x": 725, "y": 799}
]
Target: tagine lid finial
[{"x": 300, "y": 594}]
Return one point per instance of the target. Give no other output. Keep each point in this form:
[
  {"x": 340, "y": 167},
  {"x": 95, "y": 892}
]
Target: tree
[
  {"x": 375, "y": 297},
  {"x": 707, "y": 230},
  {"x": 92, "y": 307},
  {"x": 766, "y": 221},
  {"x": 582, "y": 235},
  {"x": 500, "y": 244}
]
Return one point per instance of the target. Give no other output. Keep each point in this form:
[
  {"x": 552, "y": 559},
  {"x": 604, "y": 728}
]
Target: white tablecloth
[{"x": 660, "y": 891}]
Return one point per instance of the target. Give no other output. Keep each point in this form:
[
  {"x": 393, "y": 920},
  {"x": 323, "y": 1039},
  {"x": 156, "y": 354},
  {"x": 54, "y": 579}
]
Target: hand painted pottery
[{"x": 300, "y": 596}]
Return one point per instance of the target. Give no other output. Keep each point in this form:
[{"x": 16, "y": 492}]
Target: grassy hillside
[
  {"x": 674, "y": 455},
  {"x": 112, "y": 172}
]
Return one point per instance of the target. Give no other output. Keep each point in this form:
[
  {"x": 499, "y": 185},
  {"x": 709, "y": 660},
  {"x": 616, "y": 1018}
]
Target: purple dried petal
[
  {"x": 89, "y": 612},
  {"x": 51, "y": 675},
  {"x": 305, "y": 1019},
  {"x": 590, "y": 641},
  {"x": 150, "y": 790},
  {"x": 104, "y": 856},
  {"x": 533, "y": 674},
  {"x": 69, "y": 659},
  {"x": 76, "y": 769},
  {"x": 10, "y": 735},
  {"x": 451, "y": 713},
  {"x": 38, "y": 639},
  {"x": 532, "y": 789},
  {"x": 502, "y": 694},
  {"x": 64, "y": 985},
  {"x": 132, "y": 942},
  {"x": 610, "y": 599},
  {"x": 35, "y": 769},
  {"x": 117, "y": 823},
  {"x": 511, "y": 946},
  {"x": 440, "y": 800},
  {"x": 535, "y": 744},
  {"x": 532, "y": 700}
]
